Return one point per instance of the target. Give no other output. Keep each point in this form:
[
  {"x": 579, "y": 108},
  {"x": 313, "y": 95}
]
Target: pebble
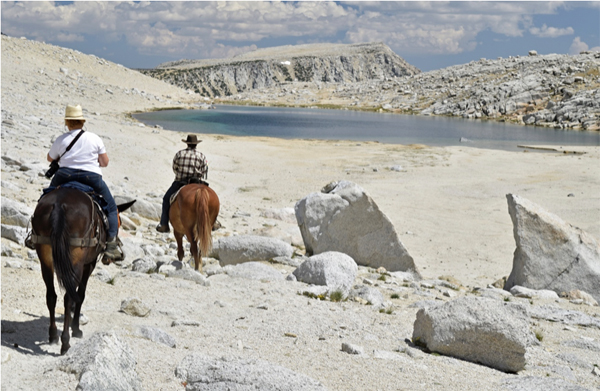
[
  {"x": 13, "y": 264},
  {"x": 352, "y": 349}
]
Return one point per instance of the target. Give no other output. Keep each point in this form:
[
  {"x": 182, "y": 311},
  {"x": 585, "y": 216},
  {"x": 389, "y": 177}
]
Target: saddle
[
  {"x": 186, "y": 182},
  {"x": 101, "y": 207},
  {"x": 99, "y": 201}
]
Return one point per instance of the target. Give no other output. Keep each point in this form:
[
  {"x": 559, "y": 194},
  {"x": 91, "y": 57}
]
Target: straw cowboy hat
[
  {"x": 192, "y": 139},
  {"x": 74, "y": 112}
]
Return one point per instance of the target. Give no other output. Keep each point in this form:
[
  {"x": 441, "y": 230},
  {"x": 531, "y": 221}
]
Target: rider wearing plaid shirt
[{"x": 187, "y": 163}]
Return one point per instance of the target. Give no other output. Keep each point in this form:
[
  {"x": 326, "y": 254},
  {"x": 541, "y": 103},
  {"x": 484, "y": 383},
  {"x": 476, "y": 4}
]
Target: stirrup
[
  {"x": 109, "y": 256},
  {"x": 29, "y": 241},
  {"x": 29, "y": 238}
]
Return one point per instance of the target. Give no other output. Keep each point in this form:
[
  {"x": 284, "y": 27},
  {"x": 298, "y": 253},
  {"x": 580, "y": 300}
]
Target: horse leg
[
  {"x": 195, "y": 253},
  {"x": 75, "y": 330},
  {"x": 179, "y": 239},
  {"x": 48, "y": 276},
  {"x": 64, "y": 337}
]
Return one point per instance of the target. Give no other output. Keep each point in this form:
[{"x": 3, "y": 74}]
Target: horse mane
[
  {"x": 61, "y": 252},
  {"x": 203, "y": 227}
]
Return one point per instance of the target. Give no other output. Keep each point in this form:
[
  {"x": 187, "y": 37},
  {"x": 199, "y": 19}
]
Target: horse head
[{"x": 125, "y": 206}]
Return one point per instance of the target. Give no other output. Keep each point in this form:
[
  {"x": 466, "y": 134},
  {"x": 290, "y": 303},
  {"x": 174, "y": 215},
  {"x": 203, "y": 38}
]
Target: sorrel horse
[
  {"x": 69, "y": 236},
  {"x": 193, "y": 214}
]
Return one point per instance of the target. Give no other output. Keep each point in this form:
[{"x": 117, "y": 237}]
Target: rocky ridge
[
  {"x": 272, "y": 67},
  {"x": 559, "y": 91}
]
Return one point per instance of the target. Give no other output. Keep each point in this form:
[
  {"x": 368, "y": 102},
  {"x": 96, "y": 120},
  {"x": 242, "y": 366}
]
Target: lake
[{"x": 292, "y": 123}]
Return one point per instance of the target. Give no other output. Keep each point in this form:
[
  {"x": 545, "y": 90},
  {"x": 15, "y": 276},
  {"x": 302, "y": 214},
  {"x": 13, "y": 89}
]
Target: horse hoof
[
  {"x": 77, "y": 334},
  {"x": 64, "y": 350},
  {"x": 54, "y": 341}
]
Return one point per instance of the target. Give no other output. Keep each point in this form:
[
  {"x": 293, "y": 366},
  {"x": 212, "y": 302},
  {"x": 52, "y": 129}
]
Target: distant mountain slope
[
  {"x": 53, "y": 76},
  {"x": 271, "y": 67},
  {"x": 39, "y": 80},
  {"x": 553, "y": 90}
]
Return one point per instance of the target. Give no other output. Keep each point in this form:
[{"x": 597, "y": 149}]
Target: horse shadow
[{"x": 27, "y": 337}]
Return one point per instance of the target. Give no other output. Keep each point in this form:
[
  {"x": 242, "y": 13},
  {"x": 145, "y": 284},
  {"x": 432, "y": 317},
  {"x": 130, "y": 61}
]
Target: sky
[{"x": 429, "y": 35}]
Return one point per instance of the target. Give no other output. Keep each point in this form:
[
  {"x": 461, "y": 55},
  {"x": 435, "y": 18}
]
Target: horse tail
[
  {"x": 61, "y": 251},
  {"x": 203, "y": 228}
]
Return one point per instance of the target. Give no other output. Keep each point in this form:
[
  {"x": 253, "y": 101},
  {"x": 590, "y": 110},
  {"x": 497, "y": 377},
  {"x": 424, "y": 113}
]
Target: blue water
[{"x": 291, "y": 123}]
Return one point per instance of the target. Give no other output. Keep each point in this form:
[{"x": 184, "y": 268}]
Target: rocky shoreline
[{"x": 557, "y": 91}]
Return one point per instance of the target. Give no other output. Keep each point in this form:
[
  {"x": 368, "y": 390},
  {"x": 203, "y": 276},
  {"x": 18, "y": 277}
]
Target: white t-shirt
[{"x": 83, "y": 154}]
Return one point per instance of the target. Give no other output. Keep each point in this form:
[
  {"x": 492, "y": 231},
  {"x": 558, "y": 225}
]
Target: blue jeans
[
  {"x": 65, "y": 174},
  {"x": 166, "y": 205}
]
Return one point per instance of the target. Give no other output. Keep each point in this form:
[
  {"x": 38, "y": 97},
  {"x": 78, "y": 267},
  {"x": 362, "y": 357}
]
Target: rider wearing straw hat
[
  {"x": 82, "y": 164},
  {"x": 187, "y": 164}
]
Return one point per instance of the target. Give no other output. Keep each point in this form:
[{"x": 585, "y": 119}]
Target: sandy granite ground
[{"x": 447, "y": 204}]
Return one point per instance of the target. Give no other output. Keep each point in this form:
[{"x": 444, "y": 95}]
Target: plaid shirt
[{"x": 189, "y": 163}]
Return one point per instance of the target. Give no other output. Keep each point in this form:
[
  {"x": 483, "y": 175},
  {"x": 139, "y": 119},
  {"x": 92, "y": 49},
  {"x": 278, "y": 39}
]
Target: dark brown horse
[
  {"x": 193, "y": 214},
  {"x": 69, "y": 236}
]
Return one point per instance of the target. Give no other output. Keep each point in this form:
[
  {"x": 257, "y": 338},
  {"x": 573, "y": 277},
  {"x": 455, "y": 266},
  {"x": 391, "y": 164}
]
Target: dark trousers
[
  {"x": 65, "y": 174},
  {"x": 164, "y": 217}
]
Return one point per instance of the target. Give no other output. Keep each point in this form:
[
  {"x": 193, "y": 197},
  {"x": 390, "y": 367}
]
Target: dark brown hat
[{"x": 192, "y": 139}]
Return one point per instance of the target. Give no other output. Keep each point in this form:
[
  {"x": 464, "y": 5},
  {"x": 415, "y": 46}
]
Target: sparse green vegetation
[
  {"x": 165, "y": 108},
  {"x": 336, "y": 296},
  {"x": 539, "y": 335},
  {"x": 388, "y": 310},
  {"x": 285, "y": 72},
  {"x": 592, "y": 72},
  {"x": 313, "y": 296},
  {"x": 303, "y": 73},
  {"x": 395, "y": 296},
  {"x": 417, "y": 342}
]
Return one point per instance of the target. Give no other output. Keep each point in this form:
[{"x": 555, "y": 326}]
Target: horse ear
[{"x": 125, "y": 206}]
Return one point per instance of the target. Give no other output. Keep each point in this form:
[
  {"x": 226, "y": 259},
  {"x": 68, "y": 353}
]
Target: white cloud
[
  {"x": 578, "y": 46},
  {"x": 550, "y": 32},
  {"x": 69, "y": 37},
  {"x": 193, "y": 29}
]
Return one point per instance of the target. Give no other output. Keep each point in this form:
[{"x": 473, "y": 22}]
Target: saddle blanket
[
  {"x": 172, "y": 199},
  {"x": 183, "y": 183},
  {"x": 84, "y": 188}
]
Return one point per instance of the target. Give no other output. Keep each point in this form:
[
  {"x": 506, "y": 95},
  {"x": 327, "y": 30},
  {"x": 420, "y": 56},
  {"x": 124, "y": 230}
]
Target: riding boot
[
  {"x": 112, "y": 250},
  {"x": 163, "y": 228}
]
